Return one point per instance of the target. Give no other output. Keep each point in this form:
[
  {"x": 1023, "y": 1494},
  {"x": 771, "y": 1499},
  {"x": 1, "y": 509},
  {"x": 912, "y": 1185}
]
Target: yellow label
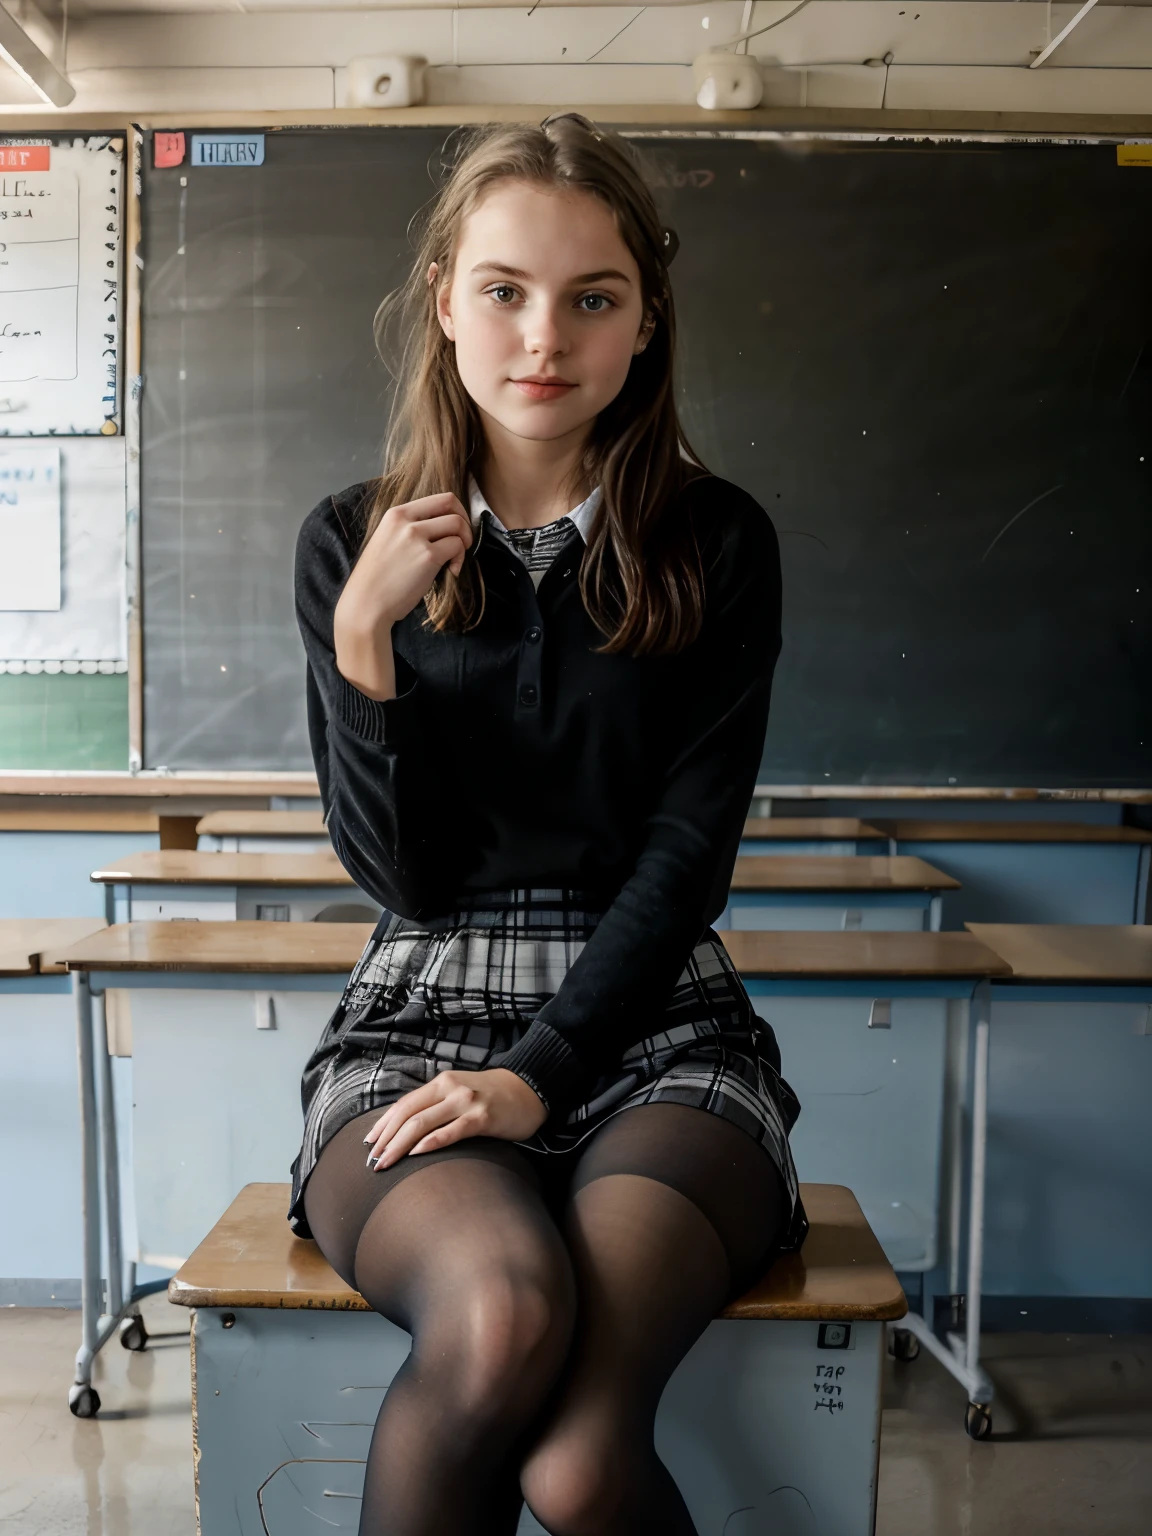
[{"x": 1134, "y": 154}]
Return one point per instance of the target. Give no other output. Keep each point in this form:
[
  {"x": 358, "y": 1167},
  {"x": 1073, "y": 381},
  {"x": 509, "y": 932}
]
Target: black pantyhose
[{"x": 538, "y": 1359}]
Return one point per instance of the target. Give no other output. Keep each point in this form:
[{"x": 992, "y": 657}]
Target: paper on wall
[{"x": 30, "y": 529}]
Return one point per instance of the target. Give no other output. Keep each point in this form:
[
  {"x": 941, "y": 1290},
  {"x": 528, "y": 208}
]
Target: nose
[{"x": 544, "y": 331}]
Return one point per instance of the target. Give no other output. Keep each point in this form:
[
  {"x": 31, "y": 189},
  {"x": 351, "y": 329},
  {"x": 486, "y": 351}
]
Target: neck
[{"x": 528, "y": 482}]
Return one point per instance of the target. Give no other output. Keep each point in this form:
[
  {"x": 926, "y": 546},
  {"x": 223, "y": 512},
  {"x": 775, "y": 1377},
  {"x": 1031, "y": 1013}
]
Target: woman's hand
[
  {"x": 452, "y": 1107},
  {"x": 400, "y": 562}
]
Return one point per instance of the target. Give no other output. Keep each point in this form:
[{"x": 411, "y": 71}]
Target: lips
[{"x": 543, "y": 388}]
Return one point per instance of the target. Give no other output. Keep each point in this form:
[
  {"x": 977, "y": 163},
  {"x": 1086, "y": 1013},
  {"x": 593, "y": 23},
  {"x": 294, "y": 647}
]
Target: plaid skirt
[{"x": 454, "y": 991}]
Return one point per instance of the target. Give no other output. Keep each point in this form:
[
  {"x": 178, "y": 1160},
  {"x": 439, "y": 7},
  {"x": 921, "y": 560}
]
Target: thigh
[
  {"x": 724, "y": 1172},
  {"x": 342, "y": 1192}
]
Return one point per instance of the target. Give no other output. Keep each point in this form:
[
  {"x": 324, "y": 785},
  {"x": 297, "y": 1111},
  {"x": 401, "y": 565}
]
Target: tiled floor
[{"x": 1071, "y": 1454}]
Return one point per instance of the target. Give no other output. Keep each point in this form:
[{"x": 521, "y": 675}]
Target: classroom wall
[{"x": 281, "y": 56}]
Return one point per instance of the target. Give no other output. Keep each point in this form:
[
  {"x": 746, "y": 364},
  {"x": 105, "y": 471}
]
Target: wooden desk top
[
  {"x": 833, "y": 872},
  {"x": 70, "y": 819},
  {"x": 251, "y": 1258},
  {"x": 237, "y": 785},
  {"x": 184, "y": 866},
  {"x": 32, "y": 944},
  {"x": 917, "y": 831},
  {"x": 304, "y": 948},
  {"x": 262, "y": 824},
  {"x": 840, "y": 956},
  {"x": 1071, "y": 952},
  {"x": 809, "y": 828}
]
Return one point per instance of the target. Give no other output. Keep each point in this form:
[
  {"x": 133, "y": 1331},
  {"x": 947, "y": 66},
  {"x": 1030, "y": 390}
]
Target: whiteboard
[
  {"x": 88, "y": 633},
  {"x": 60, "y": 212}
]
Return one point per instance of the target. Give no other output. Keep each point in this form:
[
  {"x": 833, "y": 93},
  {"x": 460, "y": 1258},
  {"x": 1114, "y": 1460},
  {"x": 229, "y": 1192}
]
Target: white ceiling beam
[
  {"x": 1059, "y": 38},
  {"x": 32, "y": 64}
]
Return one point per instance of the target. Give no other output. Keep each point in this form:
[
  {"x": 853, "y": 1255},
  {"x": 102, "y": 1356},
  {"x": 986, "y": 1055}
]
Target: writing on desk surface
[{"x": 39, "y": 276}]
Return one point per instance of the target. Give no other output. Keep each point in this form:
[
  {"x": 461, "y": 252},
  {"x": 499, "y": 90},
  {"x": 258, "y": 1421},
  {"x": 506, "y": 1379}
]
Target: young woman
[{"x": 540, "y": 653}]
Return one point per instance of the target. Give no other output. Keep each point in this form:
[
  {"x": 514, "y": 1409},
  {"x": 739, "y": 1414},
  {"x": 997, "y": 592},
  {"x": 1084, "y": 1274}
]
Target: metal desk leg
[
  {"x": 98, "y": 1130},
  {"x": 961, "y": 1356},
  {"x": 82, "y": 1399},
  {"x": 110, "y": 1156},
  {"x": 1143, "y": 912}
]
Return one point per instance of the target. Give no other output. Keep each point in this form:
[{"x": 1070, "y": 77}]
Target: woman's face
[{"x": 545, "y": 309}]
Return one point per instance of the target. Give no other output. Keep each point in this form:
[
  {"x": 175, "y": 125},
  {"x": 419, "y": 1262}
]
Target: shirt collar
[{"x": 583, "y": 515}]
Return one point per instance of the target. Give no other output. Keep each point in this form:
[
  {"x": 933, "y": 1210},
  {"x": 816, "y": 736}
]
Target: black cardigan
[{"x": 515, "y": 756}]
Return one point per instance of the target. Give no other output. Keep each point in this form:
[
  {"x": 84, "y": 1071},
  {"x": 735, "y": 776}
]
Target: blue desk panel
[
  {"x": 1069, "y": 1205},
  {"x": 872, "y": 1100},
  {"x": 1040, "y": 882},
  {"x": 47, "y": 873}
]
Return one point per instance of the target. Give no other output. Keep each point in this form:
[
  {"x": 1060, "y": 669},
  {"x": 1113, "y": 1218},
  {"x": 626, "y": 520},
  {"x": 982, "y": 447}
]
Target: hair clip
[{"x": 671, "y": 246}]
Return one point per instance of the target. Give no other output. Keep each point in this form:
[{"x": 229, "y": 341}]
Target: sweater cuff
[
  {"x": 549, "y": 1066},
  {"x": 369, "y": 718}
]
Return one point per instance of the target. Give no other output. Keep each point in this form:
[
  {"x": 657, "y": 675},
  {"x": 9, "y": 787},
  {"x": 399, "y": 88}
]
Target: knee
[
  {"x": 509, "y": 1335},
  {"x": 576, "y": 1485}
]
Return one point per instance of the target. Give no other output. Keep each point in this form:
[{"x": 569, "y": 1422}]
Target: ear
[
  {"x": 645, "y": 335},
  {"x": 443, "y": 302}
]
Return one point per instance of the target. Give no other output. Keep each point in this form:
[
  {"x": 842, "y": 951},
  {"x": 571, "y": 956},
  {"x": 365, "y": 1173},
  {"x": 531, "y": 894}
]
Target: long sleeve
[
  {"x": 367, "y": 752},
  {"x": 617, "y": 989}
]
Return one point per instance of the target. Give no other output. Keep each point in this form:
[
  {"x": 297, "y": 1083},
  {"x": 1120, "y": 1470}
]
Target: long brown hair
[{"x": 640, "y": 577}]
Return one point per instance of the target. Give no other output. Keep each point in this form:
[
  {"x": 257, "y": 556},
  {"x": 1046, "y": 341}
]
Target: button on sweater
[{"x": 515, "y": 756}]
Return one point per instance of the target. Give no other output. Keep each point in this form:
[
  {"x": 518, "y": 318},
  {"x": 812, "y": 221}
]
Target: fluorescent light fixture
[{"x": 31, "y": 64}]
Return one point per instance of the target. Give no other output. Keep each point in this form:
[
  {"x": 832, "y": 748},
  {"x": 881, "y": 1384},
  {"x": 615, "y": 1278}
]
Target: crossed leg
[{"x": 673, "y": 1212}]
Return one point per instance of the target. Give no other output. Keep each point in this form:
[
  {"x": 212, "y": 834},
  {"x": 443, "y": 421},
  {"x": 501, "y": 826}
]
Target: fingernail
[
  {"x": 367, "y": 1141},
  {"x": 368, "y": 1164}
]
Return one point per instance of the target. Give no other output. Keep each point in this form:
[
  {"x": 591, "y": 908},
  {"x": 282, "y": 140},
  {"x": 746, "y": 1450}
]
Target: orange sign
[{"x": 24, "y": 157}]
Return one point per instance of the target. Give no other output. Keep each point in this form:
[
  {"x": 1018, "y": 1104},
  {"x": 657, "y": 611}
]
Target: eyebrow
[{"x": 586, "y": 277}]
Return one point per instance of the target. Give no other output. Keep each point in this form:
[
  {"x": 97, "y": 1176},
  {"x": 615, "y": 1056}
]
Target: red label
[
  {"x": 167, "y": 149},
  {"x": 24, "y": 157}
]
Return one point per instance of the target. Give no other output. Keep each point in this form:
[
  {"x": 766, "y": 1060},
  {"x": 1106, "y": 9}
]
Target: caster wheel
[
  {"x": 978, "y": 1421},
  {"x": 84, "y": 1402},
  {"x": 133, "y": 1334},
  {"x": 905, "y": 1344}
]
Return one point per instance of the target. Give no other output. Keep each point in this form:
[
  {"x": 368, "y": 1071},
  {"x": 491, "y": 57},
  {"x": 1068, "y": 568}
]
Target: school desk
[
  {"x": 39, "y": 1126},
  {"x": 873, "y": 1034},
  {"x": 216, "y": 1090},
  {"x": 774, "y": 1411},
  {"x": 223, "y": 887},
  {"x": 48, "y": 852},
  {"x": 790, "y": 892},
  {"x": 1033, "y": 871},
  {"x": 1070, "y": 1154},
  {"x": 835, "y": 835},
  {"x": 262, "y": 832}
]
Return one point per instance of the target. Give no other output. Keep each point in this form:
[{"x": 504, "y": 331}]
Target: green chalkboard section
[
  {"x": 929, "y": 362},
  {"x": 63, "y": 721}
]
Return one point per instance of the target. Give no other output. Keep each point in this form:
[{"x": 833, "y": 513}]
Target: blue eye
[{"x": 600, "y": 300}]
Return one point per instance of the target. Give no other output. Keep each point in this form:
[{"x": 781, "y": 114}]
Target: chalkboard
[{"x": 930, "y": 362}]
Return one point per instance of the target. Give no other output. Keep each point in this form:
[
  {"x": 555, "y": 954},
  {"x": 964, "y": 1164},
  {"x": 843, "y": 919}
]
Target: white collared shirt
[{"x": 536, "y": 547}]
